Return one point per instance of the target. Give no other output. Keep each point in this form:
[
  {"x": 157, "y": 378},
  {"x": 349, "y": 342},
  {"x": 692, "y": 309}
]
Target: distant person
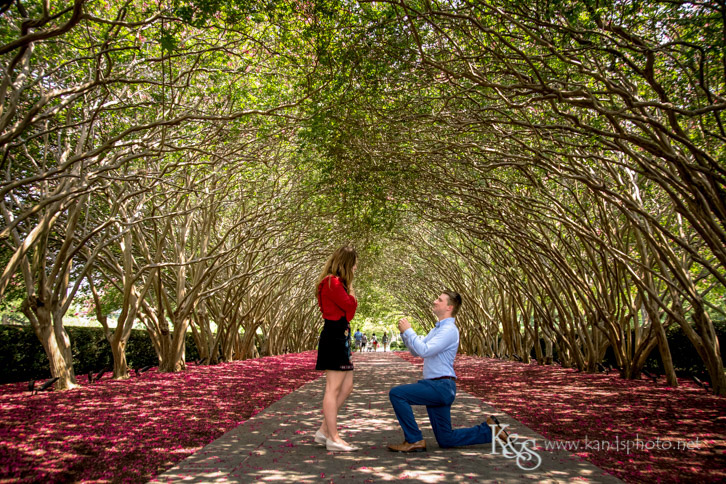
[
  {"x": 384, "y": 340},
  {"x": 337, "y": 302},
  {"x": 437, "y": 390},
  {"x": 364, "y": 342},
  {"x": 375, "y": 342},
  {"x": 358, "y": 336}
]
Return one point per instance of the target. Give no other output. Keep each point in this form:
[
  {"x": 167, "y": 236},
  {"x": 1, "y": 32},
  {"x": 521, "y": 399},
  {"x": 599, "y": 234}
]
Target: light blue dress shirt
[{"x": 438, "y": 348}]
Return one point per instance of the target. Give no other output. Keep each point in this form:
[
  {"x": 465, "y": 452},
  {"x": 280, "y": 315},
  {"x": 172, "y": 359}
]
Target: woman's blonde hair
[{"x": 340, "y": 264}]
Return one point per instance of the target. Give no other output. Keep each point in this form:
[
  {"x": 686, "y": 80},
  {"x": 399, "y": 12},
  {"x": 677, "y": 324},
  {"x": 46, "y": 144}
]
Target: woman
[{"x": 338, "y": 304}]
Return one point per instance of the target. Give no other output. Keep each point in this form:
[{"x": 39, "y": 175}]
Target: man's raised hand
[{"x": 403, "y": 325}]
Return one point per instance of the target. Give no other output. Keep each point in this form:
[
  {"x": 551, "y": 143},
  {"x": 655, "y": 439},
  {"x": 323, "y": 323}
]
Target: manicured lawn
[
  {"x": 129, "y": 431},
  {"x": 564, "y": 405}
]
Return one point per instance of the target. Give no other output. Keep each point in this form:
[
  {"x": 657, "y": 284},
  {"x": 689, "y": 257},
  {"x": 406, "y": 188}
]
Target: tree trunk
[
  {"x": 709, "y": 350},
  {"x": 665, "y": 355},
  {"x": 549, "y": 355},
  {"x": 173, "y": 359},
  {"x": 663, "y": 348},
  {"x": 120, "y": 367},
  {"x": 55, "y": 341}
]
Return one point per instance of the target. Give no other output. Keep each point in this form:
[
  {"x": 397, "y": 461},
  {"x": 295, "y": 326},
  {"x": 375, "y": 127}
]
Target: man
[
  {"x": 358, "y": 336},
  {"x": 438, "y": 388}
]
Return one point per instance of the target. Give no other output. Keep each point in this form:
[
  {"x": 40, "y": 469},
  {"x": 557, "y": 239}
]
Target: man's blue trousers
[{"x": 437, "y": 395}]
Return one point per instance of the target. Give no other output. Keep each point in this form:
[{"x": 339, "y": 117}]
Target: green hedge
[
  {"x": 22, "y": 357},
  {"x": 685, "y": 357},
  {"x": 686, "y": 360}
]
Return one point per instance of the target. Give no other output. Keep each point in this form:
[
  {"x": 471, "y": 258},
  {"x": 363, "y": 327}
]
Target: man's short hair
[{"x": 454, "y": 300}]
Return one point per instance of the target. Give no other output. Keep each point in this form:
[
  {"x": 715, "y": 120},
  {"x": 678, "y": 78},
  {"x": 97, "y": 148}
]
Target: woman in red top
[{"x": 338, "y": 304}]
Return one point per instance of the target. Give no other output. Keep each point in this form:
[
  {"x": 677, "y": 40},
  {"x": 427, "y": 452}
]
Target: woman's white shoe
[
  {"x": 337, "y": 447},
  {"x": 320, "y": 438}
]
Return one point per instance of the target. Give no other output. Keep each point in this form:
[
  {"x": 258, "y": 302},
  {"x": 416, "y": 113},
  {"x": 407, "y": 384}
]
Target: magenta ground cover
[
  {"x": 596, "y": 411},
  {"x": 129, "y": 431}
]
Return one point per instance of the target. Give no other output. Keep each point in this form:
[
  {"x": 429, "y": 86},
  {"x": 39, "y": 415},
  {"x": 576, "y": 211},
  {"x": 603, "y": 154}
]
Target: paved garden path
[{"x": 277, "y": 444}]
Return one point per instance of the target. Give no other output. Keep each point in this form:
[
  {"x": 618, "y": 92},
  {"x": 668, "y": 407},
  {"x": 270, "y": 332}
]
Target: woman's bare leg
[{"x": 338, "y": 386}]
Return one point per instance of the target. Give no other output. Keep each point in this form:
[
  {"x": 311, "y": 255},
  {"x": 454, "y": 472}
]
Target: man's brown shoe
[
  {"x": 419, "y": 446},
  {"x": 499, "y": 433}
]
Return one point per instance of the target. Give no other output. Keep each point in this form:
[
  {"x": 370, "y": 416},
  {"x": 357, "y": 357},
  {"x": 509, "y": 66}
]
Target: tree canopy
[{"x": 561, "y": 164}]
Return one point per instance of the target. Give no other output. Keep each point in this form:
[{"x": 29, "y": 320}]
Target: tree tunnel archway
[{"x": 559, "y": 163}]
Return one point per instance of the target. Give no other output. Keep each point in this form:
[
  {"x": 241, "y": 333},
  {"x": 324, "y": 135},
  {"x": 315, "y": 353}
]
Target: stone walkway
[{"x": 277, "y": 444}]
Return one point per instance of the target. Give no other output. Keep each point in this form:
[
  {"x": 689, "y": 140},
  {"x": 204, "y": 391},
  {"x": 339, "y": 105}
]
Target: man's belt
[{"x": 444, "y": 378}]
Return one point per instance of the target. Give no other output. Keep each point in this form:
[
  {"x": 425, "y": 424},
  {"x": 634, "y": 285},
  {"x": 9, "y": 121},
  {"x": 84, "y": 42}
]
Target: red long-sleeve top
[{"x": 334, "y": 301}]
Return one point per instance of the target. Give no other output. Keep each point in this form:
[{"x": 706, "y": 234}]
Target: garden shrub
[{"x": 22, "y": 357}]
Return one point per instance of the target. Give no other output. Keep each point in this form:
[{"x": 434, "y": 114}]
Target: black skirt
[{"x": 334, "y": 346}]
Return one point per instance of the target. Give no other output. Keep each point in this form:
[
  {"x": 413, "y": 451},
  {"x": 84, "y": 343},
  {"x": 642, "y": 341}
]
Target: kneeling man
[{"x": 438, "y": 388}]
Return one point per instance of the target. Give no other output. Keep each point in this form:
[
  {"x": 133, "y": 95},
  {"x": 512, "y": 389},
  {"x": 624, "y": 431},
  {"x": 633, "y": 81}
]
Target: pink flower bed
[
  {"x": 129, "y": 431},
  {"x": 566, "y": 406}
]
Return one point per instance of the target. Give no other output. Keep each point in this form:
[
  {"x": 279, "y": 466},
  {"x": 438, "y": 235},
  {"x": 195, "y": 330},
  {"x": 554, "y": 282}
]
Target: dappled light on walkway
[{"x": 277, "y": 444}]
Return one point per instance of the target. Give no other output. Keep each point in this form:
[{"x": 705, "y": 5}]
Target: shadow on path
[{"x": 277, "y": 445}]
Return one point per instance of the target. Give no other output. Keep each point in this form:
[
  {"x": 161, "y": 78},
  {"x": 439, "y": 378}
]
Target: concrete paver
[{"x": 277, "y": 445}]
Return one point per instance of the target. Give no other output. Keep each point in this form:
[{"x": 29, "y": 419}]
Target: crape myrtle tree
[
  {"x": 615, "y": 79},
  {"x": 561, "y": 164},
  {"x": 172, "y": 259},
  {"x": 579, "y": 145},
  {"x": 59, "y": 140},
  {"x": 262, "y": 277},
  {"x": 99, "y": 95},
  {"x": 539, "y": 280}
]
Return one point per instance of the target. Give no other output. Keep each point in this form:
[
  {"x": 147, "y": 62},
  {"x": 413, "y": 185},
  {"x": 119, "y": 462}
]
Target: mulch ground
[
  {"x": 598, "y": 415},
  {"x": 131, "y": 430}
]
